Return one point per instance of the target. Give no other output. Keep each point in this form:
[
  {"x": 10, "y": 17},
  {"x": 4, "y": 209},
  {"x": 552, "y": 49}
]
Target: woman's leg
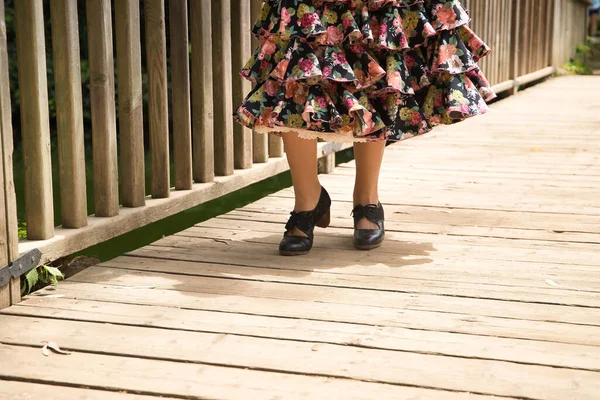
[
  {"x": 368, "y": 158},
  {"x": 302, "y": 158}
]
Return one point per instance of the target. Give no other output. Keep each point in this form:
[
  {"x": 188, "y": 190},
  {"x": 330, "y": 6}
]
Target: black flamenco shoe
[
  {"x": 305, "y": 221},
  {"x": 367, "y": 239}
]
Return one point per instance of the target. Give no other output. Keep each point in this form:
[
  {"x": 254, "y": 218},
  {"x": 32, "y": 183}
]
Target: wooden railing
[{"x": 212, "y": 155}]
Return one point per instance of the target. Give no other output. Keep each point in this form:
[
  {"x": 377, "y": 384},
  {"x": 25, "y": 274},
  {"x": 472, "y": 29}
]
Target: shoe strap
[{"x": 372, "y": 212}]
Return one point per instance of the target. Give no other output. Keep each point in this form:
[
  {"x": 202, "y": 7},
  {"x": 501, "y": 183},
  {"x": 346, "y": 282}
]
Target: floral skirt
[{"x": 363, "y": 70}]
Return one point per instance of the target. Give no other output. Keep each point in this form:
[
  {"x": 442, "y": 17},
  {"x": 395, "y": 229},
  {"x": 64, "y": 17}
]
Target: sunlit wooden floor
[{"x": 488, "y": 284}]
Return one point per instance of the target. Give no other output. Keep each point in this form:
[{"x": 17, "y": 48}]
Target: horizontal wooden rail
[{"x": 211, "y": 154}]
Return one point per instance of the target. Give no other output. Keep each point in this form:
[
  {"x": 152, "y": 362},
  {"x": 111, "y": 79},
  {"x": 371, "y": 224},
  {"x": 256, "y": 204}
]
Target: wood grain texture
[
  {"x": 102, "y": 92},
  {"x": 260, "y": 142},
  {"x": 275, "y": 146},
  {"x": 202, "y": 92},
  {"x": 222, "y": 94},
  {"x": 180, "y": 73},
  {"x": 131, "y": 115},
  {"x": 241, "y": 52},
  {"x": 158, "y": 99},
  {"x": 10, "y": 294},
  {"x": 35, "y": 127},
  {"x": 69, "y": 112}
]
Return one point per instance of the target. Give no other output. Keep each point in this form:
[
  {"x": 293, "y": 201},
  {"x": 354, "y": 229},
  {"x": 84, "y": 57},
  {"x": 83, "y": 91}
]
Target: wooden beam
[
  {"x": 69, "y": 112},
  {"x": 180, "y": 73},
  {"x": 221, "y": 18},
  {"x": 104, "y": 130},
  {"x": 202, "y": 92},
  {"x": 131, "y": 114},
  {"x": 35, "y": 126},
  {"x": 158, "y": 99},
  {"x": 241, "y": 52}
]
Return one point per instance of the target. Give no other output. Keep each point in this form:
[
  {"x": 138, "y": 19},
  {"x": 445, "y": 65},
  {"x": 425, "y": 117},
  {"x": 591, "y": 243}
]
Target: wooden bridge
[{"x": 487, "y": 286}]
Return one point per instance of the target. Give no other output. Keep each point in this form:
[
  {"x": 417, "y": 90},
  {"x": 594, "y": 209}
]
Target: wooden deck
[{"x": 488, "y": 284}]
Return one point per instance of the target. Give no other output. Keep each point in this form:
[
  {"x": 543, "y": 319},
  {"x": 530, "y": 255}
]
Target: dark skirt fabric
[{"x": 363, "y": 70}]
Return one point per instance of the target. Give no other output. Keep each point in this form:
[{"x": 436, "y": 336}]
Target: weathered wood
[
  {"x": 193, "y": 380},
  {"x": 131, "y": 114},
  {"x": 275, "y": 146},
  {"x": 180, "y": 73},
  {"x": 29, "y": 390},
  {"x": 222, "y": 94},
  {"x": 241, "y": 52},
  {"x": 10, "y": 294},
  {"x": 158, "y": 99},
  {"x": 35, "y": 129},
  {"x": 202, "y": 92},
  {"x": 102, "y": 92},
  {"x": 69, "y": 112},
  {"x": 326, "y": 164}
]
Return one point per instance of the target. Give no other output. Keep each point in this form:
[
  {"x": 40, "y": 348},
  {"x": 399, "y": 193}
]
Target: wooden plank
[
  {"x": 326, "y": 312},
  {"x": 156, "y": 377},
  {"x": 275, "y": 146},
  {"x": 102, "y": 92},
  {"x": 15, "y": 390},
  {"x": 391, "y": 338},
  {"x": 241, "y": 52},
  {"x": 343, "y": 361},
  {"x": 10, "y": 294},
  {"x": 202, "y": 92},
  {"x": 180, "y": 73},
  {"x": 69, "y": 112},
  {"x": 158, "y": 98},
  {"x": 339, "y": 295},
  {"x": 131, "y": 113},
  {"x": 221, "y": 40},
  {"x": 35, "y": 127}
]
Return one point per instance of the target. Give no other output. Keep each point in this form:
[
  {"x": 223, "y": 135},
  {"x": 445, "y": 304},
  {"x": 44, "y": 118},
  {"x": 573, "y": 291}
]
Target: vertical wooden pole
[
  {"x": 69, "y": 111},
  {"x": 158, "y": 97},
  {"x": 515, "y": 44},
  {"x": 104, "y": 131},
  {"x": 260, "y": 141},
  {"x": 202, "y": 91},
  {"x": 275, "y": 146},
  {"x": 35, "y": 126},
  {"x": 241, "y": 52},
  {"x": 131, "y": 112},
  {"x": 221, "y": 17},
  {"x": 180, "y": 72},
  {"x": 10, "y": 294}
]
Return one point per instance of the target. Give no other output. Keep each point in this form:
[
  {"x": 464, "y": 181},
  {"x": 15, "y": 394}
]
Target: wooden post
[
  {"x": 131, "y": 113},
  {"x": 180, "y": 73},
  {"x": 158, "y": 98},
  {"x": 240, "y": 32},
  {"x": 35, "y": 126},
  {"x": 202, "y": 92},
  {"x": 104, "y": 130},
  {"x": 221, "y": 18},
  {"x": 69, "y": 110},
  {"x": 326, "y": 164},
  {"x": 275, "y": 146},
  {"x": 515, "y": 45},
  {"x": 260, "y": 141},
  {"x": 10, "y": 294}
]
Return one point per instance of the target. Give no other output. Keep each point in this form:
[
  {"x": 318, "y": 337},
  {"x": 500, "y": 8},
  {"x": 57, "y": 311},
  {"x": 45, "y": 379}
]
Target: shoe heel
[{"x": 325, "y": 220}]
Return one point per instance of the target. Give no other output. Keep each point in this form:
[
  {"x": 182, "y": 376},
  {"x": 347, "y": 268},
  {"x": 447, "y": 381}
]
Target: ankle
[
  {"x": 307, "y": 200},
  {"x": 363, "y": 199}
]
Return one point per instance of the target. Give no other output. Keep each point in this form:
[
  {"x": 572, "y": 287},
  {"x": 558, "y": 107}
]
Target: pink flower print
[
  {"x": 306, "y": 65},
  {"x": 383, "y": 29},
  {"x": 321, "y": 101},
  {"x": 272, "y": 87},
  {"x": 395, "y": 80},
  {"x": 428, "y": 30},
  {"x": 397, "y": 22},
  {"x": 308, "y": 20},
  {"x": 446, "y": 17},
  {"x": 357, "y": 49},
  {"x": 375, "y": 28},
  {"x": 334, "y": 35},
  {"x": 349, "y": 103},
  {"x": 346, "y": 23},
  {"x": 409, "y": 61},
  {"x": 264, "y": 65},
  {"x": 285, "y": 16},
  {"x": 445, "y": 52},
  {"x": 416, "y": 118},
  {"x": 261, "y": 56},
  {"x": 375, "y": 70},
  {"x": 326, "y": 71},
  {"x": 403, "y": 41},
  {"x": 266, "y": 116},
  {"x": 482, "y": 106},
  {"x": 280, "y": 69},
  {"x": 464, "y": 108},
  {"x": 300, "y": 95},
  {"x": 438, "y": 100},
  {"x": 455, "y": 65},
  {"x": 269, "y": 48}
]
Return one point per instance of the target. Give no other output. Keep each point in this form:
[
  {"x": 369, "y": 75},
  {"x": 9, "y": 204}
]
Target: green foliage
[
  {"x": 22, "y": 230},
  {"x": 580, "y": 64},
  {"x": 40, "y": 276}
]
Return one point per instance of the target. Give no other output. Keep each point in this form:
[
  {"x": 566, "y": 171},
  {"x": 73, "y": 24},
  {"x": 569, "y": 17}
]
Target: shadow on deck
[{"x": 488, "y": 283}]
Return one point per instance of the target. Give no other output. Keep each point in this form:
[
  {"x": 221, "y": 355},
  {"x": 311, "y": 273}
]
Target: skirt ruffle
[{"x": 366, "y": 70}]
